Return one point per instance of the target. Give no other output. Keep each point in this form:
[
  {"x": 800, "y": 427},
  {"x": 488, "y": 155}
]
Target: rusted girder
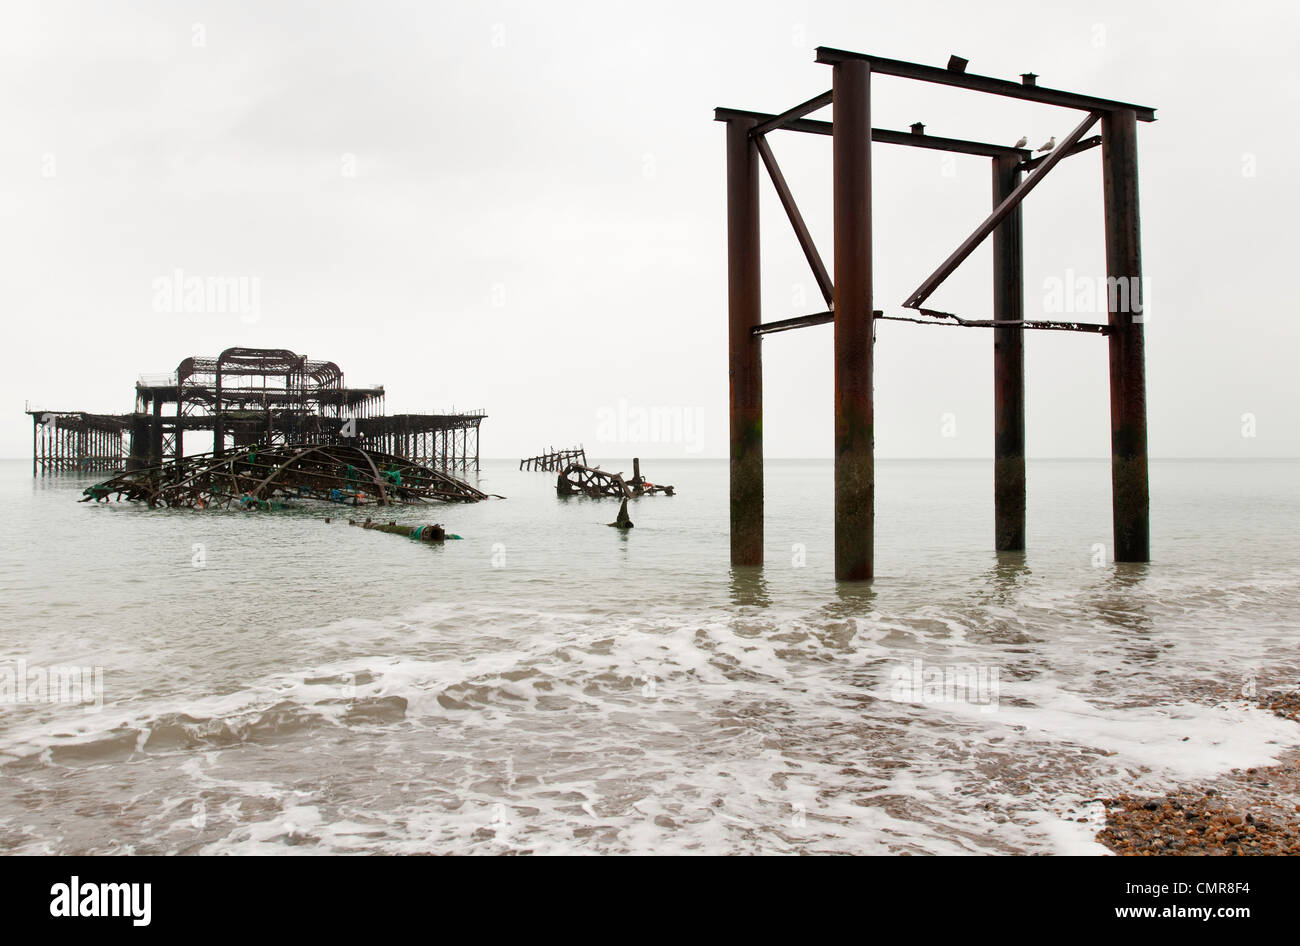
[
  {"x": 977, "y": 83},
  {"x": 261, "y": 477},
  {"x": 855, "y": 483},
  {"x": 1008, "y": 366},
  {"x": 939, "y": 318},
  {"x": 883, "y": 136},
  {"x": 744, "y": 351},
  {"x": 1130, "y": 490},
  {"x": 799, "y": 111},
  {"x": 796, "y": 221},
  {"x": 935, "y": 279}
]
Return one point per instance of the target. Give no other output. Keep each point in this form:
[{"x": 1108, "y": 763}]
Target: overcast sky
[{"x": 521, "y": 207}]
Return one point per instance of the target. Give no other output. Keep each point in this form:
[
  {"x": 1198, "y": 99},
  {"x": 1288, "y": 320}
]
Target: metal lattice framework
[
  {"x": 247, "y": 396},
  {"x": 76, "y": 441},
  {"x": 275, "y": 396},
  {"x": 850, "y": 305}
]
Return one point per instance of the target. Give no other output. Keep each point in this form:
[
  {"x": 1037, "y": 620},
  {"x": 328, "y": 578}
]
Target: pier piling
[
  {"x": 1130, "y": 498},
  {"x": 744, "y": 312},
  {"x": 1008, "y": 366},
  {"x": 855, "y": 485}
]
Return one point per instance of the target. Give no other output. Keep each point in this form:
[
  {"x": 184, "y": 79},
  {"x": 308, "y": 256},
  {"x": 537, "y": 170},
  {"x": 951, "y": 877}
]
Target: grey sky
[{"x": 521, "y": 207}]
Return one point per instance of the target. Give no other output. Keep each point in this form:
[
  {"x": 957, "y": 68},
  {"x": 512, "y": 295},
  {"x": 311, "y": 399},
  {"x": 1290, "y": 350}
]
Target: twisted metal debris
[{"x": 266, "y": 477}]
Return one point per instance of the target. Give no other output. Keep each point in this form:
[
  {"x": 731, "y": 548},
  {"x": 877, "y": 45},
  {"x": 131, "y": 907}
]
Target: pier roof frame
[{"x": 881, "y": 66}]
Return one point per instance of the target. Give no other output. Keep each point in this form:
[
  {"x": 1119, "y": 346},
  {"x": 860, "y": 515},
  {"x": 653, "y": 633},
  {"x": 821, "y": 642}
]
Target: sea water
[{"x": 270, "y": 683}]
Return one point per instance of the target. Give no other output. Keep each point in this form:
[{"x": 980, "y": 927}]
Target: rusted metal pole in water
[
  {"x": 1130, "y": 495},
  {"x": 855, "y": 487},
  {"x": 744, "y": 311},
  {"x": 1008, "y": 367}
]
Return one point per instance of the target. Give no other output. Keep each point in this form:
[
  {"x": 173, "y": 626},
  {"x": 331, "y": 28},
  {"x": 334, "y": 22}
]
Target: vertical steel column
[
  {"x": 1130, "y": 495},
  {"x": 1008, "y": 367},
  {"x": 745, "y": 354},
  {"x": 855, "y": 485},
  {"x": 218, "y": 436},
  {"x": 156, "y": 436},
  {"x": 138, "y": 458},
  {"x": 34, "y": 448}
]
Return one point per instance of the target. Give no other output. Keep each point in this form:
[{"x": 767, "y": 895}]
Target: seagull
[
  {"x": 1021, "y": 143},
  {"x": 1051, "y": 143}
]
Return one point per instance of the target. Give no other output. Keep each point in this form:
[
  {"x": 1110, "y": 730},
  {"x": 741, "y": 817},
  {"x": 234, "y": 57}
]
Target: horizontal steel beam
[
  {"x": 964, "y": 80},
  {"x": 956, "y": 321},
  {"x": 813, "y": 126},
  {"x": 936, "y": 318},
  {"x": 799, "y": 321}
]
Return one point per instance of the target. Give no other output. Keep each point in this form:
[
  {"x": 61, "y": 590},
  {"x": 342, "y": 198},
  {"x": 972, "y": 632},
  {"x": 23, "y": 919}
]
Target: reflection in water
[
  {"x": 1130, "y": 575},
  {"x": 749, "y": 587},
  {"x": 1005, "y": 579},
  {"x": 1123, "y": 602},
  {"x": 852, "y": 599}
]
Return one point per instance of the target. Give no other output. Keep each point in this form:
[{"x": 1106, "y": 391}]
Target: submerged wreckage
[
  {"x": 553, "y": 460},
  {"x": 593, "y": 481},
  {"x": 268, "y": 477}
]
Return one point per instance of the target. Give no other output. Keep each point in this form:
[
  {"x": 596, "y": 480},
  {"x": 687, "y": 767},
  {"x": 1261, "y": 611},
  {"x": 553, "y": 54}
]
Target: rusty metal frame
[
  {"x": 1016, "y": 172},
  {"x": 792, "y": 120}
]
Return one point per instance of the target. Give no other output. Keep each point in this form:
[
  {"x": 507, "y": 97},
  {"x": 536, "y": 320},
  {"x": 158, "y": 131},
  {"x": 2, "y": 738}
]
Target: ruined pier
[
  {"x": 847, "y": 292},
  {"x": 244, "y": 397}
]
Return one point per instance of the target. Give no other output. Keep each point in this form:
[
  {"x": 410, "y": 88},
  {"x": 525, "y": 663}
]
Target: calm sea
[{"x": 270, "y": 683}]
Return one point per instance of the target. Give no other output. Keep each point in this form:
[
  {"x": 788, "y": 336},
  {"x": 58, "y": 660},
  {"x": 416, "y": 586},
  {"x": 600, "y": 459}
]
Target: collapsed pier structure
[
  {"x": 264, "y": 477},
  {"x": 553, "y": 460},
  {"x": 593, "y": 481},
  {"x": 245, "y": 397}
]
